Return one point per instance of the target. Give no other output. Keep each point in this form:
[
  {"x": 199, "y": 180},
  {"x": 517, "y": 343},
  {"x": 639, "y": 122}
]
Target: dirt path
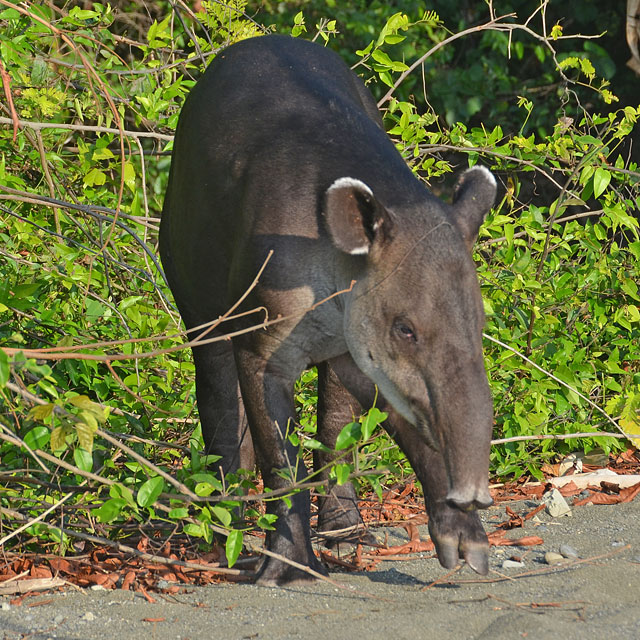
[{"x": 587, "y": 599}]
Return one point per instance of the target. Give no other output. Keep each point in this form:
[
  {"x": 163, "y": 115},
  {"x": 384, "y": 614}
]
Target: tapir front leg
[{"x": 267, "y": 391}]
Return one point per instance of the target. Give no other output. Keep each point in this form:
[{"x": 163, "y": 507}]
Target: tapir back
[{"x": 270, "y": 125}]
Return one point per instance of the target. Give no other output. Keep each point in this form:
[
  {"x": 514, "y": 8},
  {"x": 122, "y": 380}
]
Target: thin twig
[
  {"x": 483, "y": 27},
  {"x": 560, "y": 436},
  {"x": 38, "y": 126},
  {"x": 544, "y": 570}
]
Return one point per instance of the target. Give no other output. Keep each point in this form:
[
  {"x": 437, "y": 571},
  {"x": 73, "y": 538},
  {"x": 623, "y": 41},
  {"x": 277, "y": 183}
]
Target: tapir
[{"x": 286, "y": 196}]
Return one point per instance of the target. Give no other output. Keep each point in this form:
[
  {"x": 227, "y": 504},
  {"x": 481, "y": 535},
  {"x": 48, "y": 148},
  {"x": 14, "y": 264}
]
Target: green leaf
[
  {"x": 222, "y": 514},
  {"x": 129, "y": 174},
  {"x": 601, "y": 180},
  {"x": 196, "y": 529},
  {"x": 349, "y": 435},
  {"x": 86, "y": 433},
  {"x": 315, "y": 445},
  {"x": 110, "y": 510},
  {"x": 266, "y": 521},
  {"x": 373, "y": 418},
  {"x": 98, "y": 412},
  {"x": 233, "y": 546},
  {"x": 59, "y": 438},
  {"x": 83, "y": 459},
  {"x": 150, "y": 490},
  {"x": 37, "y": 438},
  {"x": 342, "y": 472},
  {"x": 630, "y": 288},
  {"x": 4, "y": 368},
  {"x": 42, "y": 411},
  {"x": 118, "y": 490},
  {"x": 95, "y": 177}
]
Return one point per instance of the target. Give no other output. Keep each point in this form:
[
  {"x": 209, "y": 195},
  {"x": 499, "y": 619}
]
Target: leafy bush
[{"x": 92, "y": 355}]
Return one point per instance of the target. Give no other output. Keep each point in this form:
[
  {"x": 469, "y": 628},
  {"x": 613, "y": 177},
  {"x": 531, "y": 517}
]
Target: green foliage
[{"x": 82, "y": 189}]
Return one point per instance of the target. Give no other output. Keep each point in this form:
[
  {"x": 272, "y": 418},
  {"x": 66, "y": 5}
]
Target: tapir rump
[{"x": 280, "y": 150}]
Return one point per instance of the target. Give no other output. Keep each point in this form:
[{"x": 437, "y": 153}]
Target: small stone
[
  {"x": 5, "y": 606},
  {"x": 88, "y": 617},
  {"x": 58, "y": 619},
  {"x": 97, "y": 587},
  {"x": 617, "y": 543},
  {"x": 568, "y": 551},
  {"x": 552, "y": 558},
  {"x": 512, "y": 564},
  {"x": 556, "y": 504}
]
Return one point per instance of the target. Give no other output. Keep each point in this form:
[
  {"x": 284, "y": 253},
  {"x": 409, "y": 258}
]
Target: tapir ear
[
  {"x": 474, "y": 195},
  {"x": 354, "y": 216}
]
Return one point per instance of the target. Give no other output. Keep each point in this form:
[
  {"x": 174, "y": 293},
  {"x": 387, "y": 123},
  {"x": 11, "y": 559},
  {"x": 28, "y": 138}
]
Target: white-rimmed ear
[
  {"x": 474, "y": 195},
  {"x": 353, "y": 215}
]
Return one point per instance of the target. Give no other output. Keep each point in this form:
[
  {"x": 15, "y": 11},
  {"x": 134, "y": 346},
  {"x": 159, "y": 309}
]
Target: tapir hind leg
[
  {"x": 225, "y": 429},
  {"x": 337, "y": 509}
]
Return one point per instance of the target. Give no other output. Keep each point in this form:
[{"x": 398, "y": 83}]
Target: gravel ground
[{"x": 595, "y": 599}]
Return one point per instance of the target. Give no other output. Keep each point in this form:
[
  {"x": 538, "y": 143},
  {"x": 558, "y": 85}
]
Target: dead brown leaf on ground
[{"x": 607, "y": 495}]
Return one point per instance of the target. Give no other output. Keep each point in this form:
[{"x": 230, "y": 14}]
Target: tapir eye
[{"x": 404, "y": 330}]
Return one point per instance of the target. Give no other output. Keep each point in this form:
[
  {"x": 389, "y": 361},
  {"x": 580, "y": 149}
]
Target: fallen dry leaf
[
  {"x": 626, "y": 494},
  {"x": 497, "y": 539},
  {"x": 569, "y": 489}
]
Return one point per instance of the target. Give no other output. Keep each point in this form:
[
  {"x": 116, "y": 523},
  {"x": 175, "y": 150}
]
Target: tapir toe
[{"x": 458, "y": 534}]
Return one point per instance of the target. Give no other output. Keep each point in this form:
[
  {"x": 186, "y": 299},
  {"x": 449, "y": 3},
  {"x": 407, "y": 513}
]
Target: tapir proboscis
[{"x": 280, "y": 148}]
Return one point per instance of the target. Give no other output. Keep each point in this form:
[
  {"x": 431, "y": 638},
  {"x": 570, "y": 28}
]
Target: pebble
[
  {"x": 5, "y": 606},
  {"x": 58, "y": 619},
  {"x": 88, "y": 617},
  {"x": 617, "y": 543},
  {"x": 568, "y": 551},
  {"x": 556, "y": 504},
  {"x": 512, "y": 564},
  {"x": 551, "y": 557},
  {"x": 98, "y": 587}
]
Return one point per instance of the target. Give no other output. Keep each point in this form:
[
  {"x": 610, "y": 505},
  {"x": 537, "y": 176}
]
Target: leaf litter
[{"x": 168, "y": 570}]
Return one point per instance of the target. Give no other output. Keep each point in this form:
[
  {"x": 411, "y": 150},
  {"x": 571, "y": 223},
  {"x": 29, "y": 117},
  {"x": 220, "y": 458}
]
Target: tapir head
[{"x": 413, "y": 321}]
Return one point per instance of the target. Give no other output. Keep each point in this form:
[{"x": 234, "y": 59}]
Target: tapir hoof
[
  {"x": 476, "y": 555},
  {"x": 457, "y": 534},
  {"x": 276, "y": 573}
]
